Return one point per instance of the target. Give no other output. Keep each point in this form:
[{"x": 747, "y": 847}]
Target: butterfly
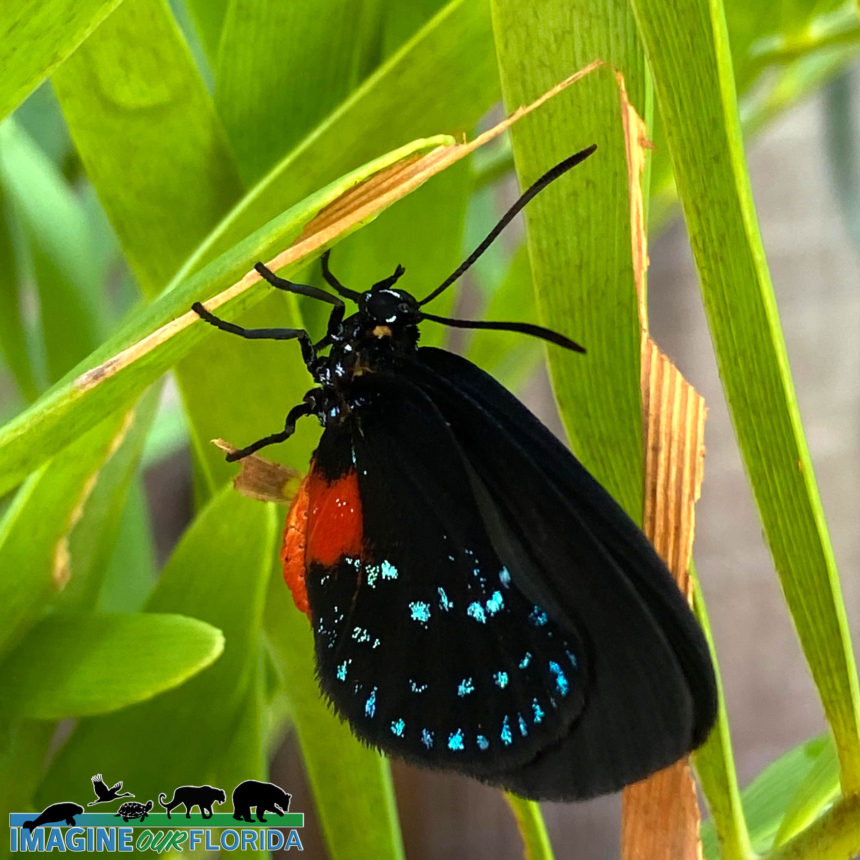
[{"x": 479, "y": 602}]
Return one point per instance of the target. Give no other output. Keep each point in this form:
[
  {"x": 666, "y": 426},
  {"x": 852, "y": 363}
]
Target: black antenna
[
  {"x": 550, "y": 176},
  {"x": 332, "y": 281},
  {"x": 523, "y": 328}
]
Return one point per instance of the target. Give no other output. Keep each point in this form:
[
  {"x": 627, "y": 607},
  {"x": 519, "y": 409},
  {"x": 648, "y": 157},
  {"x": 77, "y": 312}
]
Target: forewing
[
  {"x": 651, "y": 692},
  {"x": 424, "y": 643}
]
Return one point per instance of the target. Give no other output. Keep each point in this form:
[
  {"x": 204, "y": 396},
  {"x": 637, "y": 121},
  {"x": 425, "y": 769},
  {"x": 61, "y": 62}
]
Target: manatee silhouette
[{"x": 55, "y": 813}]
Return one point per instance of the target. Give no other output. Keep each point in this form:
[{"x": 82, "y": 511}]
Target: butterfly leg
[
  {"x": 295, "y": 413},
  {"x": 308, "y": 351},
  {"x": 338, "y": 310}
]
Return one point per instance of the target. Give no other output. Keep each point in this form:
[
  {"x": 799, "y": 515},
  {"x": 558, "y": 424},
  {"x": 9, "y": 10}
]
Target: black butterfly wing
[
  {"x": 651, "y": 693},
  {"x": 423, "y": 641}
]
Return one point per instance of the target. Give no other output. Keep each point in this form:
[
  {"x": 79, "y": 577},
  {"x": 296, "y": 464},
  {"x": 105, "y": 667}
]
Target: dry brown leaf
[
  {"x": 262, "y": 479},
  {"x": 660, "y": 815}
]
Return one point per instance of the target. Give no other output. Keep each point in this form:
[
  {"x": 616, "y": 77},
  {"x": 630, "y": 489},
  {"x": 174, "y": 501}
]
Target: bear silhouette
[
  {"x": 202, "y": 796},
  {"x": 56, "y": 813},
  {"x": 266, "y": 796}
]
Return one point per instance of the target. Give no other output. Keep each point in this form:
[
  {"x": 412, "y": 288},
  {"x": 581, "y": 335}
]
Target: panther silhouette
[{"x": 202, "y": 796}]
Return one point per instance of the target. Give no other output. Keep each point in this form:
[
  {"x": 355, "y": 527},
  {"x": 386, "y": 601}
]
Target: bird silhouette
[{"x": 105, "y": 794}]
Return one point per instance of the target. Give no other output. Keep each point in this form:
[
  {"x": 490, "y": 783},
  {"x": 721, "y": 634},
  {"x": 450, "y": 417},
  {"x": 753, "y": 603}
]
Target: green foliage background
[{"x": 151, "y": 152}]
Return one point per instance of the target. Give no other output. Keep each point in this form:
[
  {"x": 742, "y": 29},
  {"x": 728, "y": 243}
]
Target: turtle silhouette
[
  {"x": 105, "y": 794},
  {"x": 132, "y": 809},
  {"x": 56, "y": 813}
]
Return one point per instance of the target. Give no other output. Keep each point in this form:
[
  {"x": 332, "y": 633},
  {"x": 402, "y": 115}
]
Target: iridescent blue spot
[
  {"x": 505, "y": 577},
  {"x": 370, "y": 704},
  {"x": 455, "y": 740},
  {"x": 398, "y": 726},
  {"x": 427, "y": 738},
  {"x": 466, "y": 687},
  {"x": 537, "y": 711},
  {"x": 444, "y": 602},
  {"x": 342, "y": 670},
  {"x": 538, "y": 617},
  {"x": 389, "y": 571},
  {"x": 572, "y": 658},
  {"x": 451, "y": 558},
  {"x": 560, "y": 678},
  {"x": 527, "y": 658},
  {"x": 524, "y": 729},
  {"x": 507, "y": 737},
  {"x": 495, "y": 603},
  {"x": 476, "y": 611},
  {"x": 483, "y": 743},
  {"x": 420, "y": 612},
  {"x": 415, "y": 687},
  {"x": 501, "y": 679},
  {"x": 372, "y": 571}
]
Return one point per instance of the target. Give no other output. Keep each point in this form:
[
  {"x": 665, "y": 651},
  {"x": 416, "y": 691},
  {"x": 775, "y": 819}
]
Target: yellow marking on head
[{"x": 381, "y": 331}]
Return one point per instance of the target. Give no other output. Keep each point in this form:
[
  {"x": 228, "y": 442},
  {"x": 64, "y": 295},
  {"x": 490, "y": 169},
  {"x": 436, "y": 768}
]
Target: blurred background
[{"x": 803, "y": 159}]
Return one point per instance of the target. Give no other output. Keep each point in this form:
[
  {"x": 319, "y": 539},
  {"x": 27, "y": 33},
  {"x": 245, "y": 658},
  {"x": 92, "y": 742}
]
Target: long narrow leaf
[{"x": 689, "y": 58}]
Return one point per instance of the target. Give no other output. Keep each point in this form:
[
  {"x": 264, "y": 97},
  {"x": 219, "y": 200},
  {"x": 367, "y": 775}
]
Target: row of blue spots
[
  {"x": 343, "y": 668},
  {"x": 397, "y": 727},
  {"x": 538, "y": 617},
  {"x": 466, "y": 687},
  {"x": 561, "y": 682},
  {"x": 444, "y": 602},
  {"x": 361, "y": 635},
  {"x": 416, "y": 687},
  {"x": 500, "y": 679},
  {"x": 420, "y": 612},
  {"x": 370, "y": 704},
  {"x": 455, "y": 740}
]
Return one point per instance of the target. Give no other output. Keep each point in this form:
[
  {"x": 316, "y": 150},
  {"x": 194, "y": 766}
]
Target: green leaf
[
  {"x": 217, "y": 574},
  {"x": 767, "y": 797},
  {"x": 715, "y": 764},
  {"x": 93, "y": 536},
  {"x": 350, "y": 781},
  {"x": 62, "y": 249},
  {"x": 208, "y": 17},
  {"x": 75, "y": 402},
  {"x": 250, "y": 91},
  {"x": 34, "y": 530},
  {"x": 80, "y": 664},
  {"x": 579, "y": 228},
  {"x": 14, "y": 340},
  {"x": 818, "y": 790},
  {"x": 129, "y": 573},
  {"x": 147, "y": 133},
  {"x": 536, "y": 842},
  {"x": 34, "y": 38},
  {"x": 688, "y": 52},
  {"x": 442, "y": 79}
]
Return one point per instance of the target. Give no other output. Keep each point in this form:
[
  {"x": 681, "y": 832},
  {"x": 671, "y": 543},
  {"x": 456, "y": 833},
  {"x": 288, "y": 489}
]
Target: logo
[{"x": 138, "y": 825}]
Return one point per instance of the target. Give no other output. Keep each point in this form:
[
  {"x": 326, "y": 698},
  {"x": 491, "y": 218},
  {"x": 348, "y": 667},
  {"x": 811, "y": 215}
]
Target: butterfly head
[{"x": 388, "y": 310}]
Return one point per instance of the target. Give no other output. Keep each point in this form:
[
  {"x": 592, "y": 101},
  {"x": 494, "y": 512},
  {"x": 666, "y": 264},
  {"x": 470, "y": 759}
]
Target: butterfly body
[{"x": 478, "y": 601}]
